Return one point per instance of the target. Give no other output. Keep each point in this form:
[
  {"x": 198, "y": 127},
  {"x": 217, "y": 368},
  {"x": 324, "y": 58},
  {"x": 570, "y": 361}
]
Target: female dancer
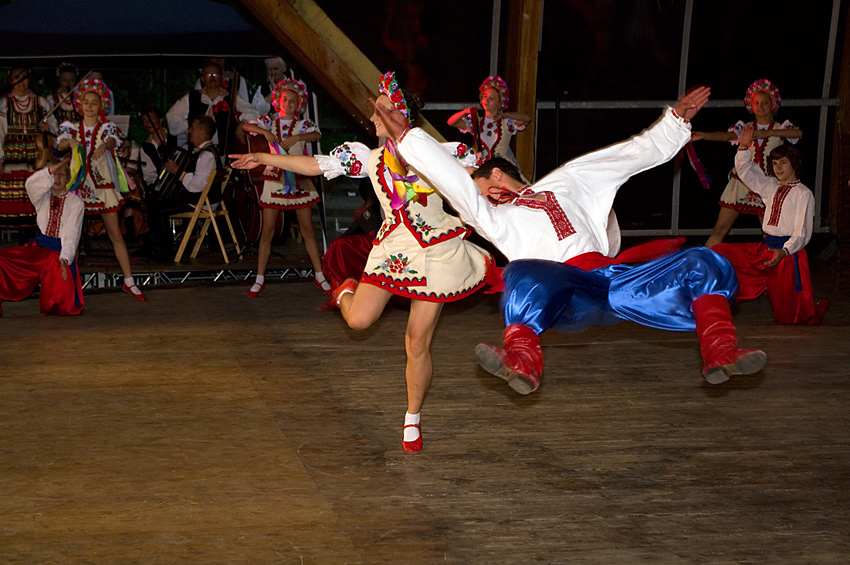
[
  {"x": 63, "y": 100},
  {"x": 419, "y": 252},
  {"x": 97, "y": 169},
  {"x": 283, "y": 190},
  {"x": 762, "y": 100},
  {"x": 492, "y": 133},
  {"x": 22, "y": 126}
]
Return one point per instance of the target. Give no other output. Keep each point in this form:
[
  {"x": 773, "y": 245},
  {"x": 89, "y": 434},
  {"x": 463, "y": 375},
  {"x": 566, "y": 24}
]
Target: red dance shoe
[
  {"x": 414, "y": 446},
  {"x": 129, "y": 290},
  {"x": 252, "y": 294},
  {"x": 349, "y": 285},
  {"x": 320, "y": 287}
]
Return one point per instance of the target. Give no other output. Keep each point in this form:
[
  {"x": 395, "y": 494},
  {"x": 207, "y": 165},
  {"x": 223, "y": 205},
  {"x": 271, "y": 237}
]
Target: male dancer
[{"x": 560, "y": 235}]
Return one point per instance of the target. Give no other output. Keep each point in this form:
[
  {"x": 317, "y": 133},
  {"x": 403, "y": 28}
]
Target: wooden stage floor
[{"x": 205, "y": 427}]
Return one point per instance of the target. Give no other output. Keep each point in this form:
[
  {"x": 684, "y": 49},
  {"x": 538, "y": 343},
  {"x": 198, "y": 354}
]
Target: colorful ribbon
[
  {"x": 698, "y": 167},
  {"x": 78, "y": 168},
  {"x": 404, "y": 184}
]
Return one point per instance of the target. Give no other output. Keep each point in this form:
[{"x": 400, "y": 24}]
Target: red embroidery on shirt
[
  {"x": 778, "y": 199},
  {"x": 54, "y": 219},
  {"x": 563, "y": 227}
]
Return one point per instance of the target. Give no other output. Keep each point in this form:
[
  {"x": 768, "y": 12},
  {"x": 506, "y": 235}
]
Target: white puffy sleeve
[{"x": 349, "y": 159}]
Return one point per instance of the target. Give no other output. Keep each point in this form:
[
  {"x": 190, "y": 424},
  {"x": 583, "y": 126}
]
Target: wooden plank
[{"x": 523, "y": 44}]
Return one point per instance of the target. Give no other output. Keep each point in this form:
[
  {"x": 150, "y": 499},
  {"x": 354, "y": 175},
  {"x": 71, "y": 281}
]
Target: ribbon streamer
[{"x": 698, "y": 167}]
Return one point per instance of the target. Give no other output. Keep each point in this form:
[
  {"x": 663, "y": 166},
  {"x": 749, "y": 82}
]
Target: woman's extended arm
[{"x": 300, "y": 164}]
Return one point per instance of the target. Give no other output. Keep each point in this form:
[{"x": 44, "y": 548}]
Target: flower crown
[
  {"x": 388, "y": 85},
  {"x": 96, "y": 86},
  {"x": 296, "y": 86},
  {"x": 763, "y": 85},
  {"x": 499, "y": 85}
]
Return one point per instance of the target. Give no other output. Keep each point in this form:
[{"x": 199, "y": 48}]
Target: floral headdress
[
  {"x": 98, "y": 87},
  {"x": 296, "y": 86},
  {"x": 500, "y": 86},
  {"x": 388, "y": 85},
  {"x": 762, "y": 85}
]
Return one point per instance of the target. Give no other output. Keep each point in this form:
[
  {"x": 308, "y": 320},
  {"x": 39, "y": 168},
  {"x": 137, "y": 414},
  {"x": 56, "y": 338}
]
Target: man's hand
[
  {"x": 394, "y": 122},
  {"x": 63, "y": 268},
  {"x": 778, "y": 255},
  {"x": 692, "y": 102},
  {"x": 171, "y": 167},
  {"x": 59, "y": 165}
]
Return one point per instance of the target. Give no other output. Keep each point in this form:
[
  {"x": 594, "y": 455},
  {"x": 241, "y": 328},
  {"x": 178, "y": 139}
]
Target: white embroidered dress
[
  {"x": 300, "y": 193},
  {"x": 420, "y": 251}
]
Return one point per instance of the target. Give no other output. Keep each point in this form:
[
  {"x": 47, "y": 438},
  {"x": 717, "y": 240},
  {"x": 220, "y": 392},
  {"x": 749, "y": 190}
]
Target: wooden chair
[{"x": 204, "y": 210}]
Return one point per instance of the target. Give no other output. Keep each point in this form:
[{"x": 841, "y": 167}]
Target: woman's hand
[
  {"x": 245, "y": 161},
  {"x": 98, "y": 152},
  {"x": 745, "y": 138},
  {"x": 290, "y": 141},
  {"x": 394, "y": 122},
  {"x": 269, "y": 136}
]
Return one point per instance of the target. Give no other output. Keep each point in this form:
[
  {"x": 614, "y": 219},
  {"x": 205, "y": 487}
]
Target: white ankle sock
[
  {"x": 411, "y": 433},
  {"x": 323, "y": 282},
  {"x": 131, "y": 283},
  {"x": 260, "y": 279}
]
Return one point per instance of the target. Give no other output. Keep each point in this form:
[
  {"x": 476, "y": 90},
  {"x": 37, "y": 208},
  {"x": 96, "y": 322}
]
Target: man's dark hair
[
  {"x": 791, "y": 153},
  {"x": 486, "y": 169},
  {"x": 205, "y": 124}
]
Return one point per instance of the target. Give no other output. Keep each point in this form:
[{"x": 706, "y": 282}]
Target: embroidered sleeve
[
  {"x": 348, "y": 159},
  {"x": 111, "y": 130},
  {"x": 264, "y": 122},
  {"x": 515, "y": 126},
  {"x": 306, "y": 126},
  {"x": 467, "y": 124},
  {"x": 736, "y": 129},
  {"x": 788, "y": 125},
  {"x": 67, "y": 130},
  {"x": 462, "y": 152}
]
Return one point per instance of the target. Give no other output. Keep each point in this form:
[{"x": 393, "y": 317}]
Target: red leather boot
[
  {"x": 722, "y": 358},
  {"x": 520, "y": 362}
]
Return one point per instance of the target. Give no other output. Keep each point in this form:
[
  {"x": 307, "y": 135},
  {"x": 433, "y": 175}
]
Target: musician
[
  {"x": 157, "y": 148},
  {"x": 62, "y": 100},
  {"x": 22, "y": 114},
  {"x": 193, "y": 179},
  {"x": 262, "y": 100},
  {"x": 213, "y": 100}
]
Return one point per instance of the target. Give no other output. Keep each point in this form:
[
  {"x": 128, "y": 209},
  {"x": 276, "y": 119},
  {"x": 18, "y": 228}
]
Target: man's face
[
  {"x": 60, "y": 179},
  {"x": 490, "y": 187},
  {"x": 211, "y": 76},
  {"x": 197, "y": 135},
  {"x": 276, "y": 69},
  {"x": 783, "y": 170}
]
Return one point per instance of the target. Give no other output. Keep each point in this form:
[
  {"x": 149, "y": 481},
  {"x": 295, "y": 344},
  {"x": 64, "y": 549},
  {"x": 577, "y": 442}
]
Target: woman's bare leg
[
  {"x": 264, "y": 249},
  {"x": 417, "y": 343},
  {"x": 364, "y": 307},
  {"x": 308, "y": 234},
  {"x": 725, "y": 219},
  {"x": 110, "y": 220}
]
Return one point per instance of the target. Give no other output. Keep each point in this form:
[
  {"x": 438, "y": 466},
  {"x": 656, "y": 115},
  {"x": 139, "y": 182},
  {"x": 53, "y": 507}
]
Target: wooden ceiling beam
[{"x": 340, "y": 68}]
